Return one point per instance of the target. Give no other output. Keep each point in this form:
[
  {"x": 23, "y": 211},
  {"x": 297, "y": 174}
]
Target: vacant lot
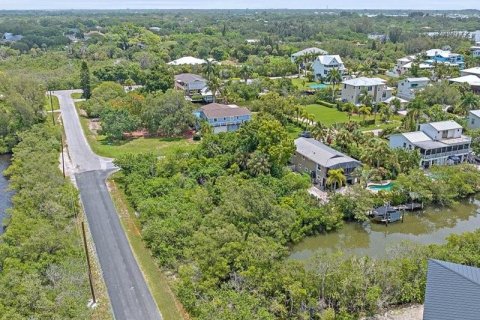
[{"x": 327, "y": 115}]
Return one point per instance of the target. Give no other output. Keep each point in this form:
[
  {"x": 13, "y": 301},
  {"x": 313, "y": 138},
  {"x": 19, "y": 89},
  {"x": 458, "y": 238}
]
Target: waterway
[
  {"x": 5, "y": 194},
  {"x": 432, "y": 225}
]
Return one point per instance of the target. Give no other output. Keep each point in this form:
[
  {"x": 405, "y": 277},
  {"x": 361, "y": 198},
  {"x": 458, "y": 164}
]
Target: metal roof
[
  {"x": 328, "y": 59},
  {"x": 187, "y": 60},
  {"x": 324, "y": 155},
  {"x": 428, "y": 145},
  {"x": 421, "y": 79},
  {"x": 188, "y": 77},
  {"x": 452, "y": 291},
  {"x": 445, "y": 125},
  {"x": 308, "y": 51},
  {"x": 416, "y": 136},
  {"x": 363, "y": 82},
  {"x": 475, "y": 113},
  {"x": 470, "y": 79},
  {"x": 217, "y": 110},
  {"x": 474, "y": 71}
]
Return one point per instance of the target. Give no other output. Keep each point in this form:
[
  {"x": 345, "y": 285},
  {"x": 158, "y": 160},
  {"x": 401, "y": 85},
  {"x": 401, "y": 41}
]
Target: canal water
[
  {"x": 432, "y": 225},
  {"x": 5, "y": 194}
]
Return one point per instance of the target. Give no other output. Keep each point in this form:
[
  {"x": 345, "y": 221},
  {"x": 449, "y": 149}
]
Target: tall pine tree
[{"x": 85, "y": 80}]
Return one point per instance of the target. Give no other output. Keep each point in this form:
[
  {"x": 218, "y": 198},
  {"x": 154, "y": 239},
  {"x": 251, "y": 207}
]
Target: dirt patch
[
  {"x": 94, "y": 126},
  {"x": 413, "y": 312}
]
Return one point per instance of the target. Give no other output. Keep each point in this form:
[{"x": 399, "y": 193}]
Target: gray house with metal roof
[
  {"x": 438, "y": 143},
  {"x": 316, "y": 159},
  {"x": 223, "y": 117},
  {"x": 452, "y": 292}
]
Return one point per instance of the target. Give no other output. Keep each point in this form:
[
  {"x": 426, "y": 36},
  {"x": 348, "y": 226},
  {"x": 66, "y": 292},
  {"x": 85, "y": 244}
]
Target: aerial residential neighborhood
[{"x": 239, "y": 160}]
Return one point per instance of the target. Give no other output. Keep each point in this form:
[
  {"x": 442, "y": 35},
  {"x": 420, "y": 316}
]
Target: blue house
[
  {"x": 446, "y": 57},
  {"x": 224, "y": 118},
  {"x": 452, "y": 292}
]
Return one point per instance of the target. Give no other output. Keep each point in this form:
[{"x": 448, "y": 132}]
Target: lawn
[
  {"x": 157, "y": 146},
  {"x": 77, "y": 95},
  {"x": 293, "y": 130},
  {"x": 303, "y": 84},
  {"x": 48, "y": 106},
  {"x": 328, "y": 116}
]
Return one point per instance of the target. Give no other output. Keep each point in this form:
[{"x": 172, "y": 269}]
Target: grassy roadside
[
  {"x": 56, "y": 104},
  {"x": 77, "y": 95},
  {"x": 157, "y": 281}
]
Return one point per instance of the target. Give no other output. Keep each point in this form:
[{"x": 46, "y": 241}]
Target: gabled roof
[
  {"x": 329, "y": 59},
  {"x": 364, "y": 82},
  {"x": 474, "y": 71},
  {"x": 188, "y": 77},
  {"x": 475, "y": 113},
  {"x": 470, "y": 79},
  {"x": 187, "y": 60},
  {"x": 323, "y": 155},
  {"x": 439, "y": 52},
  {"x": 421, "y": 79},
  {"x": 452, "y": 291},
  {"x": 416, "y": 136},
  {"x": 218, "y": 110},
  {"x": 308, "y": 51},
  {"x": 445, "y": 125}
]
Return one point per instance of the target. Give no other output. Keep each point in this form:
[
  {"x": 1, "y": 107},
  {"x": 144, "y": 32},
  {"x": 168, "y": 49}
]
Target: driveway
[{"x": 127, "y": 289}]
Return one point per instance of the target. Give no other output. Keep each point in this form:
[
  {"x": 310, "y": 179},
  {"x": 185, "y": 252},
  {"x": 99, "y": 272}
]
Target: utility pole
[
  {"x": 63, "y": 155},
  {"x": 51, "y": 106},
  {"x": 94, "y": 300}
]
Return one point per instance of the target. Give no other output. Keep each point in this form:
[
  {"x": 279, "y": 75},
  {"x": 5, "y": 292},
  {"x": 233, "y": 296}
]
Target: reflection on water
[
  {"x": 5, "y": 195},
  {"x": 431, "y": 225}
]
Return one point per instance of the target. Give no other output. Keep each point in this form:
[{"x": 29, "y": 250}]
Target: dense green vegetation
[
  {"x": 234, "y": 198},
  {"x": 22, "y": 103},
  {"x": 43, "y": 273}
]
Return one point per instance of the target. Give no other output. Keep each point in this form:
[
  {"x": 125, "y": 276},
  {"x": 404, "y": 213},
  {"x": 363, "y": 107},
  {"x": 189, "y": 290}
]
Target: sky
[{"x": 239, "y": 4}]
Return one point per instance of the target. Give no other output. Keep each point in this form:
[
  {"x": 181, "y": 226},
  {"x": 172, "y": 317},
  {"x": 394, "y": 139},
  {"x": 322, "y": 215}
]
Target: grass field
[
  {"x": 76, "y": 95},
  {"x": 157, "y": 146},
  {"x": 328, "y": 116},
  {"x": 56, "y": 105},
  {"x": 157, "y": 281}
]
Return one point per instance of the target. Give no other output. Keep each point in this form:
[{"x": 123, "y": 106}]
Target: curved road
[{"x": 127, "y": 289}]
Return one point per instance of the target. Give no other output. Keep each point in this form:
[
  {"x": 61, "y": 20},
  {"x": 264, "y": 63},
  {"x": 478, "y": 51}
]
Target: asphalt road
[{"x": 127, "y": 289}]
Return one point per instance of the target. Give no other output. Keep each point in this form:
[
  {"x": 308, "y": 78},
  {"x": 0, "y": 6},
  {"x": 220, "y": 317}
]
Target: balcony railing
[{"x": 447, "y": 154}]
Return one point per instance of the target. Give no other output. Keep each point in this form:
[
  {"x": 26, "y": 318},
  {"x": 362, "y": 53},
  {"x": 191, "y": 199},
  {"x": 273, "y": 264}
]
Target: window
[
  {"x": 404, "y": 144},
  {"x": 215, "y": 119},
  {"x": 369, "y": 88},
  {"x": 414, "y": 85},
  {"x": 325, "y": 71},
  {"x": 473, "y": 121},
  {"x": 344, "y": 86}
]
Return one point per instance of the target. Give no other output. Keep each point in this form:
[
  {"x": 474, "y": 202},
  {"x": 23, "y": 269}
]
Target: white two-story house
[
  {"x": 407, "y": 88},
  {"x": 376, "y": 87},
  {"x": 475, "y": 50},
  {"x": 325, "y": 63},
  {"x": 439, "y": 143}
]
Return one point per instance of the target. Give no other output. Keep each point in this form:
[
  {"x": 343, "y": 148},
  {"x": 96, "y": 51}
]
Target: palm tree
[
  {"x": 214, "y": 85},
  {"x": 320, "y": 132},
  {"x": 469, "y": 101},
  {"x": 334, "y": 77},
  {"x": 365, "y": 98},
  {"x": 245, "y": 72},
  {"x": 416, "y": 109},
  {"x": 349, "y": 108},
  {"x": 365, "y": 111},
  {"x": 336, "y": 178},
  {"x": 209, "y": 69}
]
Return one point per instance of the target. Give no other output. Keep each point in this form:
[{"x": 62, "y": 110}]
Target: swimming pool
[
  {"x": 381, "y": 187},
  {"x": 318, "y": 86}
]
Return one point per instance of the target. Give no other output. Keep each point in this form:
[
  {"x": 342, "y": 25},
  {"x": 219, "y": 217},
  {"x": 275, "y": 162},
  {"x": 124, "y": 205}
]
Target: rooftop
[
  {"x": 445, "y": 125},
  {"x": 364, "y": 82},
  {"x": 323, "y": 154},
  {"x": 470, "y": 79},
  {"x": 188, "y": 77},
  {"x": 475, "y": 112},
  {"x": 416, "y": 136},
  {"x": 329, "y": 59},
  {"x": 187, "y": 60},
  {"x": 308, "y": 51},
  {"x": 475, "y": 71},
  {"x": 217, "y": 110},
  {"x": 421, "y": 79}
]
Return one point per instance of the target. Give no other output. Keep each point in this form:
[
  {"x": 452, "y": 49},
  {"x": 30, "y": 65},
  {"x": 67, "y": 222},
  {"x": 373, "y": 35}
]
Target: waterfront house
[
  {"x": 452, "y": 291},
  {"x": 194, "y": 87},
  {"x": 306, "y": 52},
  {"x": 407, "y": 88},
  {"x": 473, "y": 119},
  {"x": 376, "y": 87},
  {"x": 325, "y": 63},
  {"x": 224, "y": 117},
  {"x": 444, "y": 56},
  {"x": 471, "y": 80},
  {"x": 316, "y": 159},
  {"x": 439, "y": 143},
  {"x": 471, "y": 71},
  {"x": 475, "y": 50},
  {"x": 187, "y": 61}
]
